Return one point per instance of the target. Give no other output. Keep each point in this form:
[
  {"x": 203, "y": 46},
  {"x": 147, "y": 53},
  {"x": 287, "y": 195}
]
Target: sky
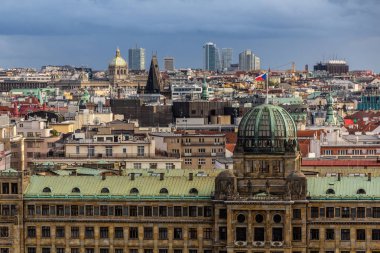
[{"x": 34, "y": 33}]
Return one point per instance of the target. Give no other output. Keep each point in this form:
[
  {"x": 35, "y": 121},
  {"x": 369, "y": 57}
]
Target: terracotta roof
[
  {"x": 309, "y": 133},
  {"x": 230, "y": 147},
  {"x": 231, "y": 137}
]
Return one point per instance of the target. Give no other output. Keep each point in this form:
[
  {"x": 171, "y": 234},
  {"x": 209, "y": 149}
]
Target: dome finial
[{"x": 117, "y": 52}]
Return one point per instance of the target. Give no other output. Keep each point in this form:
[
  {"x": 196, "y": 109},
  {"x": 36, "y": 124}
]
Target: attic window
[
  {"x": 75, "y": 190},
  {"x": 193, "y": 191},
  {"x": 46, "y": 190},
  {"x": 330, "y": 191},
  {"x": 361, "y": 191},
  {"x": 134, "y": 191},
  {"x": 105, "y": 190},
  {"x": 164, "y": 191}
]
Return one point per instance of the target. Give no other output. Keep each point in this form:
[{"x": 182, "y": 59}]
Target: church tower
[
  {"x": 117, "y": 69},
  {"x": 154, "y": 83}
]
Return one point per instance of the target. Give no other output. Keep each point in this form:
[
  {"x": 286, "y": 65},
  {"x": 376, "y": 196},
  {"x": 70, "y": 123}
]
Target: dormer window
[
  {"x": 164, "y": 191},
  {"x": 193, "y": 191},
  {"x": 46, "y": 190},
  {"x": 361, "y": 191},
  {"x": 75, "y": 190},
  {"x": 105, "y": 190},
  {"x": 330, "y": 191},
  {"x": 134, "y": 191}
]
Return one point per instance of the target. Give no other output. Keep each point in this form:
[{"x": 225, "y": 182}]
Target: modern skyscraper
[
  {"x": 136, "y": 58},
  {"x": 226, "y": 58},
  {"x": 257, "y": 63},
  {"x": 169, "y": 63},
  {"x": 211, "y": 57},
  {"x": 246, "y": 60}
]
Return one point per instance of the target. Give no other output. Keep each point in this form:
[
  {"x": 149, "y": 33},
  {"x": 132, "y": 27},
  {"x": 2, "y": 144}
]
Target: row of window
[
  {"x": 8, "y": 210},
  {"x": 345, "y": 212},
  {"x": 330, "y": 234},
  {"x": 133, "y": 233},
  {"x": 351, "y": 152},
  {"x": 119, "y": 210},
  {"x": 9, "y": 188},
  {"x": 105, "y": 250}
]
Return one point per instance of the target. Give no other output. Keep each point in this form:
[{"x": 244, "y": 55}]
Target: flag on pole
[{"x": 261, "y": 77}]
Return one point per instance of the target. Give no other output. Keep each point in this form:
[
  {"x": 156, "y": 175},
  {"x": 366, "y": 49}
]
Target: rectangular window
[
  {"x": 162, "y": 211},
  {"x": 60, "y": 250},
  {"x": 140, "y": 151},
  {"x": 137, "y": 166},
  {"x": 241, "y": 234},
  {"x": 345, "y": 235},
  {"x": 77, "y": 150},
  {"x": 222, "y": 233},
  {"x": 222, "y": 213},
  {"x": 119, "y": 250},
  {"x": 169, "y": 166},
  {"x": 345, "y": 212},
  {"x": 104, "y": 210},
  {"x": 207, "y": 211},
  {"x": 74, "y": 210},
  {"x": 119, "y": 232},
  {"x": 162, "y": 250},
  {"x": 193, "y": 235},
  {"x": 330, "y": 234},
  {"x": 89, "y": 232},
  {"x": 31, "y": 250},
  {"x": 89, "y": 250},
  {"x": 177, "y": 234},
  {"x": 188, "y": 161},
  {"x": 375, "y": 234},
  {"x": 109, "y": 151},
  {"x": 297, "y": 233},
  {"x": 314, "y": 234},
  {"x": 74, "y": 250},
  {"x": 148, "y": 233},
  {"x": 314, "y": 212},
  {"x": 162, "y": 233},
  {"x": 45, "y": 232},
  {"x": 192, "y": 211},
  {"x": 60, "y": 232},
  {"x": 103, "y": 232},
  {"x": 89, "y": 210},
  {"x": 201, "y": 161},
  {"x": 60, "y": 211},
  {"x": 148, "y": 211},
  {"x": 207, "y": 233},
  {"x": 360, "y": 234},
  {"x": 4, "y": 232},
  {"x": 376, "y": 212},
  {"x": 118, "y": 210},
  {"x": 45, "y": 250},
  {"x": 104, "y": 250},
  {"x": 259, "y": 235},
  {"x": 133, "y": 233},
  {"x": 329, "y": 212},
  {"x": 133, "y": 211},
  {"x": 277, "y": 234},
  {"x": 360, "y": 212},
  {"x": 74, "y": 232},
  {"x": 296, "y": 214},
  {"x": 31, "y": 210},
  {"x": 14, "y": 188},
  {"x": 177, "y": 211}
]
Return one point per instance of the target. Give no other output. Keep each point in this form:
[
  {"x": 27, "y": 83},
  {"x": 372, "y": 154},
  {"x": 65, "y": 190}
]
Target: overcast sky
[{"x": 86, "y": 32}]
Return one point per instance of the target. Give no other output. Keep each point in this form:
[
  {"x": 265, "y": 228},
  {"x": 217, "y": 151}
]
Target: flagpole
[{"x": 267, "y": 78}]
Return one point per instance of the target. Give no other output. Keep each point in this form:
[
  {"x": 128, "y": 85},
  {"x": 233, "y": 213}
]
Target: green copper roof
[
  {"x": 266, "y": 129},
  {"x": 346, "y": 188},
  {"x": 148, "y": 185}
]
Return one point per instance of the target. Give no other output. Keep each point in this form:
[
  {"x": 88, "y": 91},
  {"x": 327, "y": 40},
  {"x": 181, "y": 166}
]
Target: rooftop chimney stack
[
  {"x": 369, "y": 176},
  {"x": 339, "y": 176}
]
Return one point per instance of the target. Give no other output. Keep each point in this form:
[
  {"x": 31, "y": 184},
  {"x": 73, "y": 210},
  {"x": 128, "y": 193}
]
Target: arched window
[
  {"x": 105, "y": 190},
  {"x": 330, "y": 191},
  {"x": 193, "y": 191},
  {"x": 46, "y": 190},
  {"x": 164, "y": 191},
  {"x": 361, "y": 191},
  {"x": 134, "y": 191},
  {"x": 75, "y": 190}
]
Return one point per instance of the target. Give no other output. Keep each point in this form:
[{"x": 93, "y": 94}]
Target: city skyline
[{"x": 87, "y": 32}]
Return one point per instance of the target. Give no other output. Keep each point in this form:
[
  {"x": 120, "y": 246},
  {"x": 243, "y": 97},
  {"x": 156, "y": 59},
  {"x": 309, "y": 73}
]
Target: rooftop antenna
[{"x": 267, "y": 83}]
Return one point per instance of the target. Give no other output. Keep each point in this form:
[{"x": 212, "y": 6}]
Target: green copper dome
[{"x": 267, "y": 129}]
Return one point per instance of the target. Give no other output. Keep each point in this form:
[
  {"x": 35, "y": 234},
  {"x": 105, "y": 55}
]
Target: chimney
[
  {"x": 339, "y": 176},
  {"x": 369, "y": 176},
  {"x": 190, "y": 176},
  {"x": 132, "y": 176},
  {"x": 162, "y": 176},
  {"x": 103, "y": 176}
]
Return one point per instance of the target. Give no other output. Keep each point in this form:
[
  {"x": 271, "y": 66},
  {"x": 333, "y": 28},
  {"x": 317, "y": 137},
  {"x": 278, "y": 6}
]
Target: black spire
[{"x": 154, "y": 83}]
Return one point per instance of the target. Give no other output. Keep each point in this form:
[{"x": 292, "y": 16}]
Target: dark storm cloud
[{"x": 86, "y": 32}]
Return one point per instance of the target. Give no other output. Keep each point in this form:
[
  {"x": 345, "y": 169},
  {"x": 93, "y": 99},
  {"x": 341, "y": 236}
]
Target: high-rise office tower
[
  {"x": 211, "y": 57},
  {"x": 136, "y": 58},
  {"x": 246, "y": 60},
  {"x": 226, "y": 58},
  {"x": 169, "y": 63},
  {"x": 257, "y": 63}
]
